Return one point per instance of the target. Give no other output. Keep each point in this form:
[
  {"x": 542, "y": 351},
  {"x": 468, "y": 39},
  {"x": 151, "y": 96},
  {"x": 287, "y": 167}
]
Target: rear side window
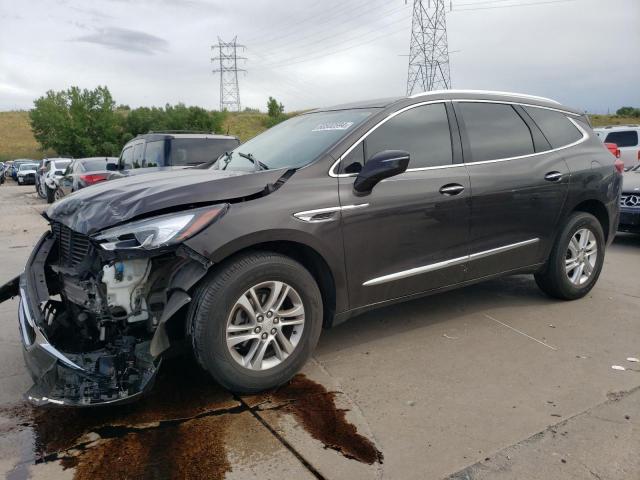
[
  {"x": 421, "y": 131},
  {"x": 555, "y": 126},
  {"x": 138, "y": 151},
  {"x": 627, "y": 138},
  {"x": 495, "y": 131}
]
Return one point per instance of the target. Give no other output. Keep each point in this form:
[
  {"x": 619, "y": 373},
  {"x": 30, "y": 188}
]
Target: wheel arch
[
  {"x": 327, "y": 278},
  {"x": 598, "y": 210}
]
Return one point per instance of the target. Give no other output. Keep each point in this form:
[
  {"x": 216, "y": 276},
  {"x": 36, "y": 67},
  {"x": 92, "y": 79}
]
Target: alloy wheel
[
  {"x": 265, "y": 325},
  {"x": 581, "y": 257}
]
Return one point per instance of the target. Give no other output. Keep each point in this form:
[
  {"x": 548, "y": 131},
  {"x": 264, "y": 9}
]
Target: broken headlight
[{"x": 160, "y": 231}]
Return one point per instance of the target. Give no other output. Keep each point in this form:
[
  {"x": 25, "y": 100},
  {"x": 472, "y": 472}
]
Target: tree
[
  {"x": 274, "y": 108},
  {"x": 80, "y": 123},
  {"x": 628, "y": 112},
  {"x": 275, "y": 111}
]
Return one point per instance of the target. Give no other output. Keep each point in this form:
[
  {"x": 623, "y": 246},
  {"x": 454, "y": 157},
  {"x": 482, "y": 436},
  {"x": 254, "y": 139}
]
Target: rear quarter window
[{"x": 555, "y": 126}]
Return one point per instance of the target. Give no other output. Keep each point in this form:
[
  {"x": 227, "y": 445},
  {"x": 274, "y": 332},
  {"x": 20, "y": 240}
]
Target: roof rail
[{"x": 488, "y": 92}]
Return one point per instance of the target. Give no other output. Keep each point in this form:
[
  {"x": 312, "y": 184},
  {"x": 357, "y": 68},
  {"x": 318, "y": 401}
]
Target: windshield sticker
[{"x": 323, "y": 127}]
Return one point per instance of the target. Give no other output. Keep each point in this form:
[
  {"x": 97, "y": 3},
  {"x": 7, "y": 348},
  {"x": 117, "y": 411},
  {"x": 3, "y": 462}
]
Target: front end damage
[{"x": 93, "y": 321}]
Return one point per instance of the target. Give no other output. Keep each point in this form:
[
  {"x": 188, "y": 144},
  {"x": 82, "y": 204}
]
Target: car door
[
  {"x": 519, "y": 185},
  {"x": 409, "y": 235}
]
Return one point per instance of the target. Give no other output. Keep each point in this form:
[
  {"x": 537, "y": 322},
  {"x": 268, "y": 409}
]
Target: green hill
[{"x": 16, "y": 139}]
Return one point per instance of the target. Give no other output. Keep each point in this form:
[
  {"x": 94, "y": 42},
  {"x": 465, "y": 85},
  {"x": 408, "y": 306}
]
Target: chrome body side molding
[
  {"x": 447, "y": 263},
  {"x": 325, "y": 214}
]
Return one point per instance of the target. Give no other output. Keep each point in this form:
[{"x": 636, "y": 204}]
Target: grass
[{"x": 16, "y": 139}]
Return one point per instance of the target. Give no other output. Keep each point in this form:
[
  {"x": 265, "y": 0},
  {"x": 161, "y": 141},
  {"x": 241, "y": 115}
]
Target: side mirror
[{"x": 388, "y": 163}]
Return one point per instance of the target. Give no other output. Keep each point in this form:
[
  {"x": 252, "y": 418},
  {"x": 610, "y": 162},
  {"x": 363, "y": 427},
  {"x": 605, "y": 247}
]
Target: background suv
[
  {"x": 322, "y": 217},
  {"x": 157, "y": 151},
  {"x": 626, "y": 137}
]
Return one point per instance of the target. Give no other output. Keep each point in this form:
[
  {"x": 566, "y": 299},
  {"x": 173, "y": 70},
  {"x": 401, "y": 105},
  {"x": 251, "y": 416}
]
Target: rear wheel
[
  {"x": 58, "y": 194},
  {"x": 576, "y": 259},
  {"x": 256, "y": 321},
  {"x": 40, "y": 189}
]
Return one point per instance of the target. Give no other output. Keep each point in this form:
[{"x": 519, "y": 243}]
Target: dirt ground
[{"x": 494, "y": 381}]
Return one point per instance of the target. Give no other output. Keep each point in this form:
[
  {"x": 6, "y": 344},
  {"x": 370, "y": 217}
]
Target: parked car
[
  {"x": 84, "y": 172},
  {"x": 168, "y": 151},
  {"x": 27, "y": 173},
  {"x": 15, "y": 166},
  {"x": 322, "y": 217},
  {"x": 55, "y": 168},
  {"x": 3, "y": 167},
  {"x": 630, "y": 202},
  {"x": 626, "y": 138},
  {"x": 8, "y": 165}
]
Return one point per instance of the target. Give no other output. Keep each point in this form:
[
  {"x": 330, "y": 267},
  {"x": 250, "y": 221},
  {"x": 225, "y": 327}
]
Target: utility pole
[
  {"x": 429, "y": 51},
  {"x": 227, "y": 65}
]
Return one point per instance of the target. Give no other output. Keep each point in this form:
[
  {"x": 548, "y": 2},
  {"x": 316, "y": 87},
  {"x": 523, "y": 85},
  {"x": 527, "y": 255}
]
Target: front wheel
[
  {"x": 256, "y": 321},
  {"x": 576, "y": 259}
]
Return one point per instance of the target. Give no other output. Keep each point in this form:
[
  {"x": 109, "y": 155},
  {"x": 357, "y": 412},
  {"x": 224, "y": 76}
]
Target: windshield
[
  {"x": 294, "y": 143},
  {"x": 28, "y": 166}
]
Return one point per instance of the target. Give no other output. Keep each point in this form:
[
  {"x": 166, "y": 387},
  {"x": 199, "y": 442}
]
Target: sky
[{"x": 307, "y": 53}]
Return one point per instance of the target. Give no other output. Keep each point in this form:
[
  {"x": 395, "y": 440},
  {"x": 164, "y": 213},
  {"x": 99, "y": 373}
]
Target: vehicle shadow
[
  {"x": 627, "y": 240},
  {"x": 517, "y": 290}
]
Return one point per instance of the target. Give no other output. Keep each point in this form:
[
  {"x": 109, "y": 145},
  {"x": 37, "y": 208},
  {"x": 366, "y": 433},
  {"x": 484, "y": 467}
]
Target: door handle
[
  {"x": 553, "y": 177},
  {"x": 452, "y": 189}
]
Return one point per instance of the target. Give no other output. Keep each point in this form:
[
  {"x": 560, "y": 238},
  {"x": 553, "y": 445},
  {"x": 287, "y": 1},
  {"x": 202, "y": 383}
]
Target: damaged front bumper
[
  {"x": 74, "y": 379},
  {"x": 95, "y": 316}
]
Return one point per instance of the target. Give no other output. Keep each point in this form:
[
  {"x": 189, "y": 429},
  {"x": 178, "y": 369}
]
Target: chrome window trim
[
  {"x": 447, "y": 263},
  {"x": 584, "y": 133}
]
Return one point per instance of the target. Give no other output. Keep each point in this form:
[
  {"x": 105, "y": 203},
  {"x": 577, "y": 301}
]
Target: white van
[{"x": 626, "y": 137}]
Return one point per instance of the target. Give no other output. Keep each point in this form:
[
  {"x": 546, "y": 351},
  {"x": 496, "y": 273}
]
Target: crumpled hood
[
  {"x": 109, "y": 203},
  {"x": 631, "y": 182}
]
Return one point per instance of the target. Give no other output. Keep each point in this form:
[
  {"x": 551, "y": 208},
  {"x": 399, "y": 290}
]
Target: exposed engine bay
[{"x": 104, "y": 314}]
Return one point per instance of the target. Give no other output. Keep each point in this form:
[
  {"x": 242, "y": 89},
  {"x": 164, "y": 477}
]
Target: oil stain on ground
[
  {"x": 315, "y": 408},
  {"x": 177, "y": 432}
]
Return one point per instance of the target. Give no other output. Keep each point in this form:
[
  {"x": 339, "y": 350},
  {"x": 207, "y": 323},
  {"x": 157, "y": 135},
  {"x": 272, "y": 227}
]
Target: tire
[
  {"x": 218, "y": 297},
  {"x": 51, "y": 194},
  {"x": 557, "y": 280},
  {"x": 57, "y": 195},
  {"x": 39, "y": 190}
]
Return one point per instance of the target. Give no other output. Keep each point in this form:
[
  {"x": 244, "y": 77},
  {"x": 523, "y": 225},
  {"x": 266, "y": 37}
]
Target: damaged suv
[{"x": 320, "y": 218}]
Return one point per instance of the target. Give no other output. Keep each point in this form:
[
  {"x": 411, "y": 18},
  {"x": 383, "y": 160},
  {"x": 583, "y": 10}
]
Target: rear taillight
[
  {"x": 92, "y": 178},
  {"x": 613, "y": 148}
]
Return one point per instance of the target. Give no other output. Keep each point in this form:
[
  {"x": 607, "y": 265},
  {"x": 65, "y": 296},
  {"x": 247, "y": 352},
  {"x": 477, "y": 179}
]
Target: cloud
[{"x": 126, "y": 40}]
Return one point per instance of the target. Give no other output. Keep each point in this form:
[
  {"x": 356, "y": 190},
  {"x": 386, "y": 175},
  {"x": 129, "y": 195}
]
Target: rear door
[
  {"x": 627, "y": 142},
  {"x": 519, "y": 185},
  {"x": 410, "y": 234}
]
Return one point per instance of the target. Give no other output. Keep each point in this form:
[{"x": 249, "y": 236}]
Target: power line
[
  {"x": 228, "y": 69},
  {"x": 429, "y": 50},
  {"x": 532, "y": 4}
]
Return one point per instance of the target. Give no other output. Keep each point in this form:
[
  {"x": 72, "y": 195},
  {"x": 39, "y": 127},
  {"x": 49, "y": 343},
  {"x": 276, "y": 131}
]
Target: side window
[
  {"x": 154, "y": 154},
  {"x": 495, "y": 131},
  {"x": 623, "y": 139},
  {"x": 126, "y": 160},
  {"x": 138, "y": 151},
  {"x": 555, "y": 126},
  {"x": 421, "y": 131}
]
